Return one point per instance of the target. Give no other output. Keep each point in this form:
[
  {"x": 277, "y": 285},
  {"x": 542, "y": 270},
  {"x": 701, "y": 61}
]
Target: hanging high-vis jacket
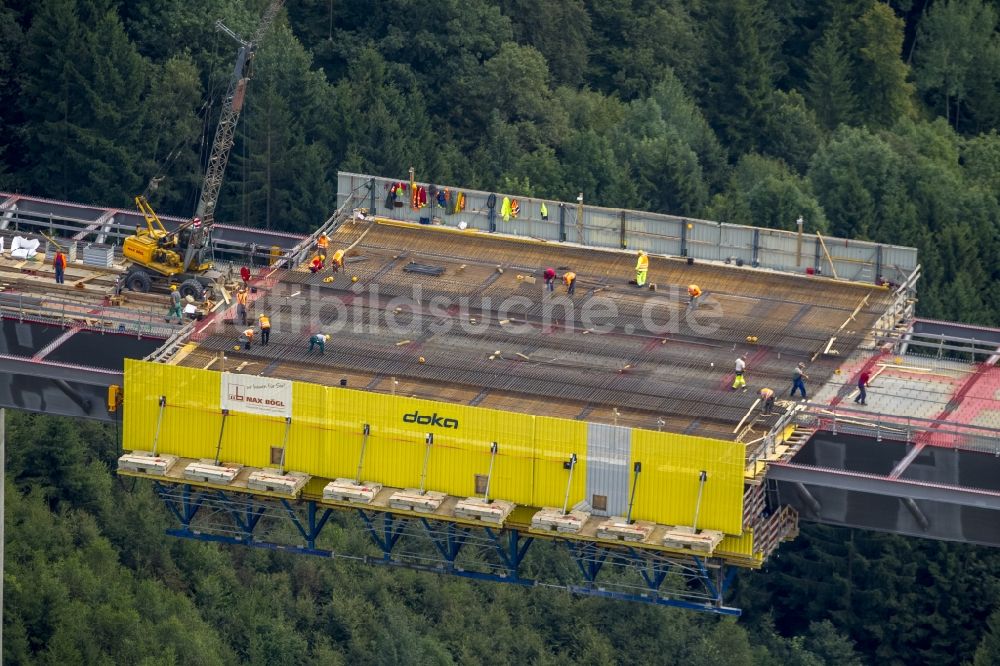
[
  {"x": 505, "y": 209},
  {"x": 515, "y": 208},
  {"x": 544, "y": 211}
]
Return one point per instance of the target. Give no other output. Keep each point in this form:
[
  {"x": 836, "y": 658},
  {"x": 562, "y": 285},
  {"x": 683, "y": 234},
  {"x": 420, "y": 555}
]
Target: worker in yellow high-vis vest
[
  {"x": 265, "y": 329},
  {"x": 641, "y": 268},
  {"x": 338, "y": 261}
]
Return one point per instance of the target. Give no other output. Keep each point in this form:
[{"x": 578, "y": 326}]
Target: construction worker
[
  {"x": 641, "y": 269},
  {"x": 319, "y": 340},
  {"x": 241, "y": 305},
  {"x": 739, "y": 382},
  {"x": 338, "y": 261},
  {"x": 265, "y": 329},
  {"x": 569, "y": 277},
  {"x": 863, "y": 380},
  {"x": 175, "y": 306},
  {"x": 550, "y": 278},
  {"x": 317, "y": 263},
  {"x": 694, "y": 293},
  {"x": 766, "y": 401},
  {"x": 322, "y": 243},
  {"x": 247, "y": 338},
  {"x": 798, "y": 375},
  {"x": 60, "y": 265}
]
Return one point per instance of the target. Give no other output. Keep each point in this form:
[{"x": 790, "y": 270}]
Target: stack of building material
[
  {"x": 619, "y": 529},
  {"x": 349, "y": 490},
  {"x": 206, "y": 471},
  {"x": 487, "y": 511},
  {"x": 552, "y": 519},
  {"x": 703, "y": 541},
  {"x": 413, "y": 499},
  {"x": 273, "y": 481},
  {"x": 144, "y": 462}
]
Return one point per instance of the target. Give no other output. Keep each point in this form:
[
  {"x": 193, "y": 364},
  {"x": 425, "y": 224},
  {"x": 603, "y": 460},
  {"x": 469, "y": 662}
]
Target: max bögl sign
[{"x": 256, "y": 395}]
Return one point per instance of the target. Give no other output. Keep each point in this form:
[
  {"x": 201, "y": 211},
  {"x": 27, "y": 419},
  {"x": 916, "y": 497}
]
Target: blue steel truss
[{"x": 484, "y": 553}]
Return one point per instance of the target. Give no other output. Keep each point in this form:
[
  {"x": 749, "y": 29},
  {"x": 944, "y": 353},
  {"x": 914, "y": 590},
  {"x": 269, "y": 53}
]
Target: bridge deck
[{"x": 489, "y": 334}]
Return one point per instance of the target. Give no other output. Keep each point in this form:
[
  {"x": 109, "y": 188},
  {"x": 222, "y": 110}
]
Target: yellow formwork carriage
[{"x": 327, "y": 430}]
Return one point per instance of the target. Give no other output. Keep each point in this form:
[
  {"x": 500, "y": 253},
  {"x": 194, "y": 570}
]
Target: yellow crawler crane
[{"x": 157, "y": 254}]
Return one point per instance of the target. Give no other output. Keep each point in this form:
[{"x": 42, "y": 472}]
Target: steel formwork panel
[{"x": 654, "y": 232}]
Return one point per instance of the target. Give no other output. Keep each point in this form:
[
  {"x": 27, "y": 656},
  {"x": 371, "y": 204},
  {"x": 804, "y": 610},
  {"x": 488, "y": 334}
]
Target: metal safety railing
[
  {"x": 67, "y": 313},
  {"x": 909, "y": 429},
  {"x": 763, "y": 448},
  {"x": 301, "y": 251}
]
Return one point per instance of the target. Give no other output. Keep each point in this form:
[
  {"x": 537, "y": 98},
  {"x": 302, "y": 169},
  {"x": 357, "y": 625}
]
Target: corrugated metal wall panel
[
  {"x": 193, "y": 405},
  {"x": 316, "y": 437},
  {"x": 555, "y": 441},
  {"x": 608, "y": 466},
  {"x": 740, "y": 546},
  {"x": 248, "y": 439},
  {"x": 668, "y": 484}
]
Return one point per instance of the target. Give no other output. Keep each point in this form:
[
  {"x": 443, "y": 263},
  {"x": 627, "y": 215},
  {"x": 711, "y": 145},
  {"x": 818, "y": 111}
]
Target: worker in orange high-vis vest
[
  {"x": 694, "y": 293},
  {"x": 247, "y": 338},
  {"x": 569, "y": 277},
  {"x": 241, "y": 305},
  {"x": 641, "y": 268},
  {"x": 338, "y": 261},
  {"x": 316, "y": 265},
  {"x": 265, "y": 329},
  {"x": 60, "y": 265},
  {"x": 766, "y": 401},
  {"x": 322, "y": 243}
]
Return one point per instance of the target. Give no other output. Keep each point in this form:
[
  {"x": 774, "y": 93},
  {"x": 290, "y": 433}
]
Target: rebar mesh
[{"x": 677, "y": 379}]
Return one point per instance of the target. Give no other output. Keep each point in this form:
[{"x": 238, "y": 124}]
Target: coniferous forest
[{"x": 873, "y": 120}]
